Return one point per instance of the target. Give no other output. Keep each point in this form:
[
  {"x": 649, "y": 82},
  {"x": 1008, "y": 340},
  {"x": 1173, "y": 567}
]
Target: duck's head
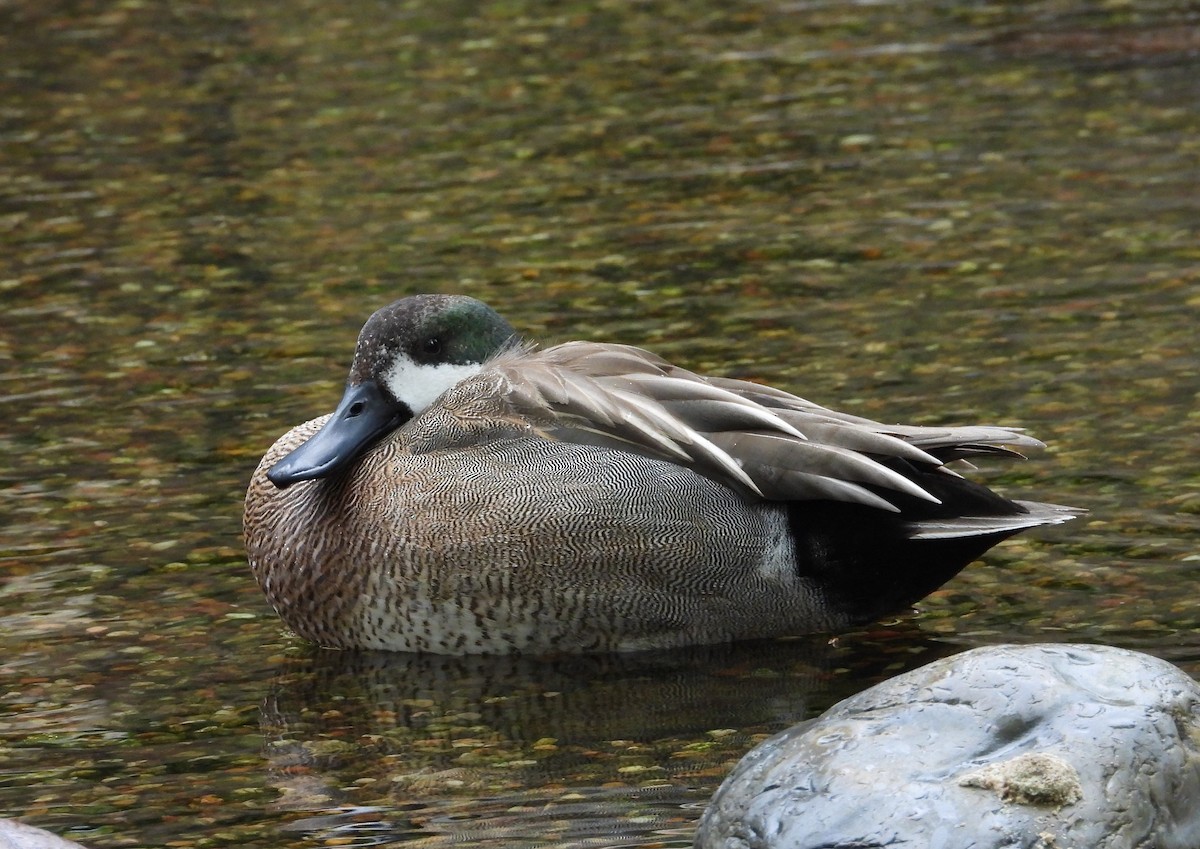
[{"x": 408, "y": 354}]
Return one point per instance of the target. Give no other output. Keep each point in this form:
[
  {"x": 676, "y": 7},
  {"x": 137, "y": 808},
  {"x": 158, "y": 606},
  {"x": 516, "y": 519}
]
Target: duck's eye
[{"x": 432, "y": 345}]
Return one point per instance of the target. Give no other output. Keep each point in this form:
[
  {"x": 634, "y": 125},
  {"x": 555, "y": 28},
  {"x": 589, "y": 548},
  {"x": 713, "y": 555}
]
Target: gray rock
[
  {"x": 17, "y": 835},
  {"x": 1007, "y": 747}
]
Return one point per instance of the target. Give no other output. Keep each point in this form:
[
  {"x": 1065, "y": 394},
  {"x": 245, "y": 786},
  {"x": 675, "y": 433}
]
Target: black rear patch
[{"x": 865, "y": 559}]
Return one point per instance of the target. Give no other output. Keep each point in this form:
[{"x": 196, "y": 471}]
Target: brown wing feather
[{"x": 756, "y": 439}]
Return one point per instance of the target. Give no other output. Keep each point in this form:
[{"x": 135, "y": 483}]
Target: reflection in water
[{"x": 380, "y": 746}]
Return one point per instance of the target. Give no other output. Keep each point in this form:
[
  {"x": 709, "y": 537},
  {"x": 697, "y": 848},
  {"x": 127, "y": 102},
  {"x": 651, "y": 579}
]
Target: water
[{"x": 921, "y": 212}]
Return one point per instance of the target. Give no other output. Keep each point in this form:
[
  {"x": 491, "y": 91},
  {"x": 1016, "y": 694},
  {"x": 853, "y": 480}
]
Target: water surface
[{"x": 923, "y": 211}]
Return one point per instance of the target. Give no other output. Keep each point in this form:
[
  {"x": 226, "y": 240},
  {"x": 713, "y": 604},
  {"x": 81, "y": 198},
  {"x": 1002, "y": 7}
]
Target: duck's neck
[{"x": 418, "y": 385}]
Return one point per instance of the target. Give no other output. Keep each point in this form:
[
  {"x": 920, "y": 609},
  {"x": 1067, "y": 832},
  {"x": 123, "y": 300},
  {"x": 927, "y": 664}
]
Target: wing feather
[{"x": 756, "y": 439}]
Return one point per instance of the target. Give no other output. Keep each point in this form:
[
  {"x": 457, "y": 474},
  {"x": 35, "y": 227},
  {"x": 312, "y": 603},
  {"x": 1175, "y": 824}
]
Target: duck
[{"x": 475, "y": 493}]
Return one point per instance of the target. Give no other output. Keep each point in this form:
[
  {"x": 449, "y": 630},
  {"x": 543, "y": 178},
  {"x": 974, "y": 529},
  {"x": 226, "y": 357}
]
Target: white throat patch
[{"x": 418, "y": 386}]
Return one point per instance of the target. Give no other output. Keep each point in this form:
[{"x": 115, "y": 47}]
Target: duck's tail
[
  {"x": 1036, "y": 514},
  {"x": 870, "y": 563}
]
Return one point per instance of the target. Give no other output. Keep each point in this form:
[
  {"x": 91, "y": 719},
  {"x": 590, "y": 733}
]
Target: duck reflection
[{"x": 391, "y": 744}]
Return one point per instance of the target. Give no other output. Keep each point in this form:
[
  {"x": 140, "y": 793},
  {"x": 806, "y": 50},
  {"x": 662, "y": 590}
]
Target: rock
[
  {"x": 1006, "y": 747},
  {"x": 17, "y": 835}
]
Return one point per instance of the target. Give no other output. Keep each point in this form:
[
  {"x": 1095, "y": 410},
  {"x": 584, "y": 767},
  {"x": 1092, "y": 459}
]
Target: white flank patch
[
  {"x": 418, "y": 386},
  {"x": 779, "y": 551}
]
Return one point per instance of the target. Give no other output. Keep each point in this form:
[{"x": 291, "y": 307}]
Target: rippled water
[{"x": 927, "y": 212}]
